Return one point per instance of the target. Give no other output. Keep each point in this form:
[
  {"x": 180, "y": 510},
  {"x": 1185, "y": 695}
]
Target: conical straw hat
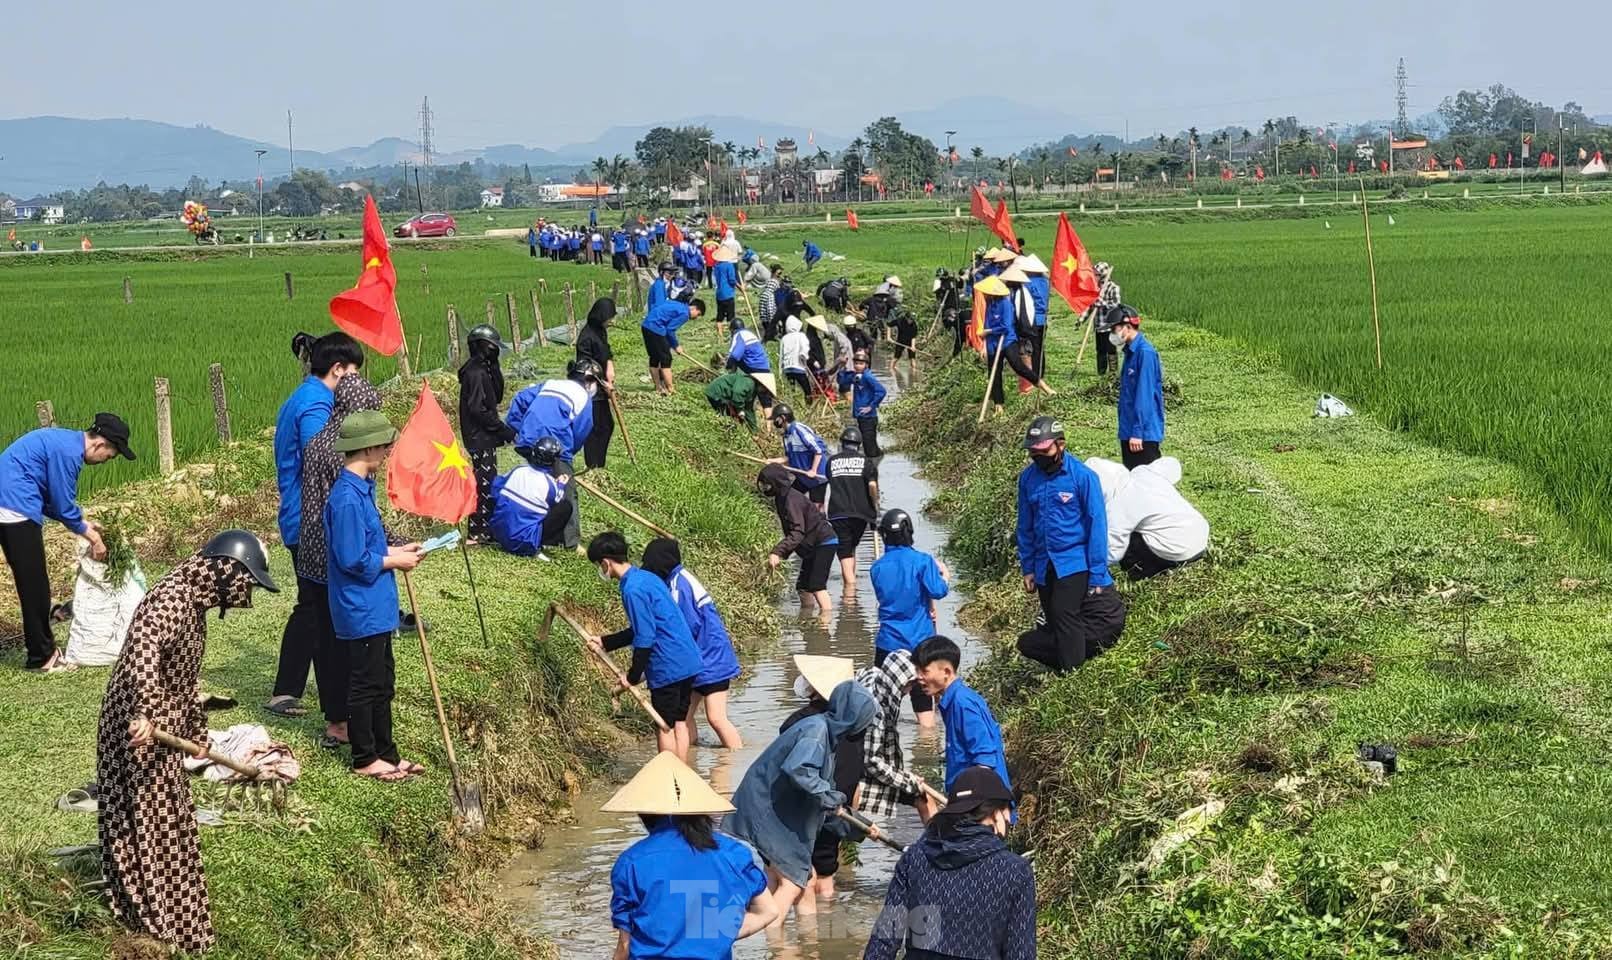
[
  {"x": 724, "y": 255},
  {"x": 992, "y": 287},
  {"x": 824, "y": 673},
  {"x": 767, "y": 380},
  {"x": 665, "y": 786},
  {"x": 993, "y": 253},
  {"x": 1001, "y": 255},
  {"x": 1030, "y": 263},
  {"x": 817, "y": 323},
  {"x": 1014, "y": 275},
  {"x": 850, "y": 321}
]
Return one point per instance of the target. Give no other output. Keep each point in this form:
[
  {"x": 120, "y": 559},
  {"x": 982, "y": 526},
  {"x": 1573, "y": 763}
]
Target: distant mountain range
[{"x": 45, "y": 154}]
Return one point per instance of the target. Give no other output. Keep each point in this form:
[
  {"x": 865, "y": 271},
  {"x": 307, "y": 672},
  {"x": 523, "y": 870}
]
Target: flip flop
[
  {"x": 286, "y": 707},
  {"x": 77, "y": 801},
  {"x": 329, "y": 742},
  {"x": 390, "y": 776},
  {"x": 411, "y": 768}
]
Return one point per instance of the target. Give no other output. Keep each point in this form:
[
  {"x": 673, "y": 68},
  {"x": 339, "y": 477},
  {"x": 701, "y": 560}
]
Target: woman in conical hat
[{"x": 683, "y": 857}]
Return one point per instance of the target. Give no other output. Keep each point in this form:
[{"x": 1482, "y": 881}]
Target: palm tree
[
  {"x": 976, "y": 154},
  {"x": 601, "y": 175},
  {"x": 616, "y": 173},
  {"x": 1043, "y": 157},
  {"x": 1164, "y": 143}
]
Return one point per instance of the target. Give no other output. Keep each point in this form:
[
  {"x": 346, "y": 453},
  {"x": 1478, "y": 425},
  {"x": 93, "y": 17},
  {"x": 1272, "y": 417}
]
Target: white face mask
[
  {"x": 593, "y": 389},
  {"x": 603, "y": 574},
  {"x": 803, "y": 689},
  {"x": 1116, "y": 338}
]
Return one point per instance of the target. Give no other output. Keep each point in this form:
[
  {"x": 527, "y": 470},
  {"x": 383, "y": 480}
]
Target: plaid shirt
[
  {"x": 1107, "y": 299},
  {"x": 886, "y": 781}
]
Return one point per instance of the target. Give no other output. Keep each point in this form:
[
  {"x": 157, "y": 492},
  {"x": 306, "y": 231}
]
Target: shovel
[
  {"x": 868, "y": 827},
  {"x": 466, "y": 794},
  {"x": 590, "y": 642}
]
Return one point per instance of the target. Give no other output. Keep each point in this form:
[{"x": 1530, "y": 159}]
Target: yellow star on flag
[
  {"x": 1070, "y": 264},
  {"x": 373, "y": 263},
  {"x": 452, "y": 459}
]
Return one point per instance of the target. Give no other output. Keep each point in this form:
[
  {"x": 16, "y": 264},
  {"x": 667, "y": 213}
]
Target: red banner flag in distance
[
  {"x": 674, "y": 236},
  {"x": 1002, "y": 226},
  {"x": 428, "y": 474},
  {"x": 980, "y": 208},
  {"x": 1073, "y": 152},
  {"x": 743, "y": 218},
  {"x": 368, "y": 311},
  {"x": 1259, "y": 173},
  {"x": 850, "y": 219},
  {"x": 1072, "y": 274}
]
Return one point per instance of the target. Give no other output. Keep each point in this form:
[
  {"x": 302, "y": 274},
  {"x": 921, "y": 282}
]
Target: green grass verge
[
  {"x": 354, "y": 868},
  {"x": 1362, "y": 587}
]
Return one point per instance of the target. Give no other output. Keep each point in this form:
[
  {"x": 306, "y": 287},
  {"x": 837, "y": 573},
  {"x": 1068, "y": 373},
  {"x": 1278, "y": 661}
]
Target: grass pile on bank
[
  {"x": 1195, "y": 791},
  {"x": 357, "y": 868}
]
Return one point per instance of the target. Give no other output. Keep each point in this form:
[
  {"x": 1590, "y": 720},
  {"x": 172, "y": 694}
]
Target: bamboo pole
[
  {"x": 453, "y": 336},
  {"x": 595, "y": 646},
  {"x": 537, "y": 319},
  {"x": 165, "y": 427},
  {"x": 746, "y": 456},
  {"x": 215, "y": 379},
  {"x": 46, "y": 411},
  {"x": 290, "y": 289},
  {"x": 514, "y": 318},
  {"x": 996, "y": 367},
  {"x": 128, "y": 290},
  {"x": 1371, "y": 264},
  {"x": 570, "y": 310},
  {"x": 619, "y": 506},
  {"x": 621, "y": 418}
]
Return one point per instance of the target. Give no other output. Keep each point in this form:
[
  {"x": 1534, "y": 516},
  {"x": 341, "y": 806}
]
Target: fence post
[
  {"x": 537, "y": 319},
  {"x": 637, "y": 284},
  {"x": 615, "y": 291},
  {"x": 128, "y": 290},
  {"x": 543, "y": 285},
  {"x": 570, "y": 307},
  {"x": 290, "y": 290},
  {"x": 514, "y": 318},
  {"x": 593, "y": 292},
  {"x": 453, "y": 336},
  {"x": 215, "y": 379},
  {"x": 46, "y": 412},
  {"x": 165, "y": 427},
  {"x": 492, "y": 315},
  {"x": 425, "y": 278}
]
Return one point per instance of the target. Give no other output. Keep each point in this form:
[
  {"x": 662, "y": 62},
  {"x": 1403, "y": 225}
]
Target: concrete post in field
[
  {"x": 290, "y": 290},
  {"x": 1239, "y": 201},
  {"x": 537, "y": 320},
  {"x": 215, "y": 381},
  {"x": 543, "y": 285},
  {"x": 1301, "y": 199},
  {"x": 1200, "y": 203},
  {"x": 404, "y": 369},
  {"x": 453, "y": 337},
  {"x": 1466, "y": 193},
  {"x": 593, "y": 293},
  {"x": 128, "y": 290},
  {"x": 570, "y": 307},
  {"x": 165, "y": 427},
  {"x": 46, "y": 412},
  {"x": 425, "y": 278},
  {"x": 615, "y": 291},
  {"x": 492, "y": 315},
  {"x": 1082, "y": 206},
  {"x": 514, "y": 318}
]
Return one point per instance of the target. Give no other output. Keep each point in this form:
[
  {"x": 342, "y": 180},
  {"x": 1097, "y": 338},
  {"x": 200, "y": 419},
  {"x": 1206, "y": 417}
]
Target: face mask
[
  {"x": 603, "y": 573},
  {"x": 803, "y": 689},
  {"x": 593, "y": 389},
  {"x": 1116, "y": 338},
  {"x": 1046, "y": 461}
]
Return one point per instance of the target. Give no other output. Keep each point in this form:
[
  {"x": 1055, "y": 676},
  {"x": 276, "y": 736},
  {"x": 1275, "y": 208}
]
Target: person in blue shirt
[
  {"x": 640, "y": 247},
  {"x": 664, "y": 558},
  {"x": 562, "y": 409},
  {"x": 685, "y": 890},
  {"x": 38, "y": 480},
  {"x": 725, "y": 278},
  {"x": 867, "y": 393},
  {"x": 973, "y": 737},
  {"x": 363, "y": 593},
  {"x": 906, "y": 582},
  {"x": 530, "y": 507},
  {"x": 618, "y": 249},
  {"x": 593, "y": 216},
  {"x": 660, "y": 230},
  {"x": 659, "y": 330},
  {"x": 810, "y": 253},
  {"x": 749, "y": 354},
  {"x": 660, "y": 289},
  {"x": 531, "y": 240},
  {"x": 1141, "y": 391},
  {"x": 573, "y": 245},
  {"x": 663, "y": 650},
  {"x": 1040, "y": 291},
  {"x": 1062, "y": 536},
  {"x": 803, "y": 450},
  {"x": 302, "y": 416}
]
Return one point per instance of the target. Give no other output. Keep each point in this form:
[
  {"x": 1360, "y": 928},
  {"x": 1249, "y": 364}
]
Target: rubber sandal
[
  {"x": 411, "y": 768},
  {"x": 286, "y": 707},
  {"x": 329, "y": 742},
  {"x": 77, "y": 801},
  {"x": 390, "y": 776}
]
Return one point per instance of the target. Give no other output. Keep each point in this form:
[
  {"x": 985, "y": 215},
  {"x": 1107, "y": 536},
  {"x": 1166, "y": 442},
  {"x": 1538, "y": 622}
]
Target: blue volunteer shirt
[
  {"x": 519, "y": 405},
  {"x": 665, "y": 319},
  {"x": 1040, "y": 290},
  {"x": 675, "y": 901},
  {"x": 866, "y": 391},
  {"x": 801, "y": 446},
  {"x": 1000, "y": 330},
  {"x": 1062, "y": 520},
  {"x": 522, "y": 499},
  {"x": 618, "y": 242},
  {"x": 813, "y": 252},
  {"x": 560, "y": 409},
  {"x": 749, "y": 352},
  {"x": 657, "y": 293},
  {"x": 718, "y": 660},
  {"x": 973, "y": 738},
  {"x": 303, "y": 414},
  {"x": 640, "y": 244},
  {"x": 363, "y": 596},
  {"x": 1141, "y": 392},
  {"x": 904, "y": 581},
  {"x": 39, "y": 476},
  {"x": 725, "y": 276},
  {"x": 658, "y": 625}
]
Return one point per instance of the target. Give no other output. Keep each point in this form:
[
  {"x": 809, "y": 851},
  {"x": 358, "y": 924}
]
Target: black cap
[
  {"x": 1041, "y": 430},
  {"x": 111, "y": 428},
  {"x": 975, "y": 787}
]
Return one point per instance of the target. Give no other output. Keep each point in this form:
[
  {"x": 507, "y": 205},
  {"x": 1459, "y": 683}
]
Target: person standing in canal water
[
  {"x": 720, "y": 664},
  {"x": 973, "y": 737},
  {"x": 806, "y": 533},
  {"x": 853, "y": 496},
  {"x": 818, "y": 678},
  {"x": 663, "y": 649},
  {"x": 655, "y": 882},
  {"x": 906, "y": 582},
  {"x": 887, "y": 783}
]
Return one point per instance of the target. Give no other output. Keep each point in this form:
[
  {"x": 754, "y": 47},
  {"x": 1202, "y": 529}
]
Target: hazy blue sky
[{"x": 547, "y": 73}]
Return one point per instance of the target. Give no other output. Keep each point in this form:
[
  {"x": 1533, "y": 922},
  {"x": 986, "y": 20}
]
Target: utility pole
[
  {"x": 1401, "y": 82},
  {"x": 260, "y": 154},
  {"x": 949, "y": 135},
  {"x": 425, "y": 151}
]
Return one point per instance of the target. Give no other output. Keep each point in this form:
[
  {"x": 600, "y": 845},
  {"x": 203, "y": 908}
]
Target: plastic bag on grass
[
  {"x": 1330, "y": 406},
  {"x": 101, "y": 611}
]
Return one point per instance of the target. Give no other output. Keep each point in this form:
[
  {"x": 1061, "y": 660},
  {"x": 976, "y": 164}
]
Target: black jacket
[
  {"x": 958, "y": 894},
  {"x": 481, "y": 390},
  {"x": 804, "y": 526}
]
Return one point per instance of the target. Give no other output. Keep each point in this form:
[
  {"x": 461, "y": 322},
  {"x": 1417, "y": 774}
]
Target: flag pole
[
  {"x": 470, "y": 576},
  {"x": 1371, "y": 263}
]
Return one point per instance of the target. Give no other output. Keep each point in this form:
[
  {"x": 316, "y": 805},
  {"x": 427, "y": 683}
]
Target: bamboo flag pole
[
  {"x": 996, "y": 368},
  {"x": 1371, "y": 263},
  {"x": 746, "y": 456},
  {"x": 621, "y": 418},
  {"x": 618, "y": 505},
  {"x": 748, "y": 308},
  {"x": 470, "y": 577},
  {"x": 596, "y": 647}
]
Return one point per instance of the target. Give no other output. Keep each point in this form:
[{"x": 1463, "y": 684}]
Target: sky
[{"x": 551, "y": 73}]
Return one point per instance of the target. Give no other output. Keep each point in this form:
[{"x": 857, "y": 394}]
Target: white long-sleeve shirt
[
  {"x": 1145, "y": 501},
  {"x": 794, "y": 349}
]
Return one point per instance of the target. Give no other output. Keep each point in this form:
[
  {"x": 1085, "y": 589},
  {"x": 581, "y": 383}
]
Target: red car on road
[{"x": 427, "y": 225}]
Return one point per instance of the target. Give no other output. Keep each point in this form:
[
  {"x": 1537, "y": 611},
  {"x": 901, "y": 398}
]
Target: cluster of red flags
[
  {"x": 674, "y": 236},
  {"x": 368, "y": 312},
  {"x": 996, "y": 219},
  {"x": 428, "y": 474}
]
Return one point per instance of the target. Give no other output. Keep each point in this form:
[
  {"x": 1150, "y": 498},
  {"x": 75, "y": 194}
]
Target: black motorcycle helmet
[
  {"x": 302, "y": 345},
  {"x": 483, "y": 341},
  {"x": 667, "y": 267},
  {"x": 896, "y": 528},
  {"x": 584, "y": 370},
  {"x": 851, "y": 438},
  {"x": 1115, "y": 317},
  {"x": 781, "y": 413},
  {"x": 244, "y": 547},
  {"x": 544, "y": 453}
]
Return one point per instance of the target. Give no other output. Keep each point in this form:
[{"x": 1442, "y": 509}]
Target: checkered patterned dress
[
  {"x": 886, "y": 781},
  {"x": 149, "y": 849}
]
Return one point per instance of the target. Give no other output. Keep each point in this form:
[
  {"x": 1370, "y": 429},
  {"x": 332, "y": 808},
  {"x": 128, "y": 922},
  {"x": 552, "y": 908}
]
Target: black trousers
[
  {"x": 1107, "y": 354},
  {"x": 300, "y": 639},
  {"x": 1012, "y": 356},
  {"x": 1148, "y": 453},
  {"x": 24, "y": 547},
  {"x": 724, "y": 311},
  {"x": 869, "y": 426},
  {"x": 1035, "y": 347},
  {"x": 564, "y": 470},
  {"x": 802, "y": 380},
  {"x": 330, "y": 667},
  {"x": 532, "y": 248},
  {"x": 1140, "y": 562},
  {"x": 555, "y": 522},
  {"x": 1100, "y": 621},
  {"x": 373, "y": 684},
  {"x": 485, "y": 465},
  {"x": 1059, "y": 642},
  {"x": 597, "y": 447}
]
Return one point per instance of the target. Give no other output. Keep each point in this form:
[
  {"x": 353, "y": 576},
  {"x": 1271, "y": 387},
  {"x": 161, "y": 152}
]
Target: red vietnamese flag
[
  {"x": 674, "y": 236},
  {"x": 743, "y": 219},
  {"x": 428, "y": 474},
  {"x": 369, "y": 310},
  {"x": 1460, "y": 164},
  {"x": 1508, "y": 159},
  {"x": 1072, "y": 274},
  {"x": 1259, "y": 173},
  {"x": 1002, "y": 226},
  {"x": 1383, "y": 165},
  {"x": 1351, "y": 166},
  {"x": 1073, "y": 152},
  {"x": 850, "y": 218},
  {"x": 980, "y": 208},
  {"x": 1313, "y": 174},
  {"x": 1494, "y": 161}
]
